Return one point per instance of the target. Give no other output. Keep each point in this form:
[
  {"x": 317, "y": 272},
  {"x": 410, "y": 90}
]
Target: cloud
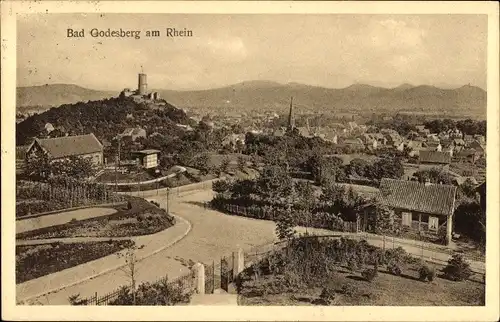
[
  {"x": 232, "y": 47},
  {"x": 392, "y": 33}
]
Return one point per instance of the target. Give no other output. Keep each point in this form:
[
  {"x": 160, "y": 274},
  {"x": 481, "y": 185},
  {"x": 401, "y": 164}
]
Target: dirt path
[{"x": 61, "y": 218}]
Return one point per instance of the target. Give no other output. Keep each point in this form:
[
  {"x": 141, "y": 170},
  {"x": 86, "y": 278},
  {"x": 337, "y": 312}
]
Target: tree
[
  {"x": 41, "y": 168},
  {"x": 242, "y": 188},
  {"x": 74, "y": 166},
  {"x": 434, "y": 175},
  {"x": 338, "y": 200},
  {"x": 38, "y": 168},
  {"x": 468, "y": 188},
  {"x": 130, "y": 268},
  {"x": 221, "y": 186},
  {"x": 274, "y": 184},
  {"x": 384, "y": 222},
  {"x": 285, "y": 223},
  {"x": 201, "y": 162},
  {"x": 386, "y": 168},
  {"x": 224, "y": 165},
  {"x": 358, "y": 167},
  {"x": 470, "y": 220},
  {"x": 306, "y": 199},
  {"x": 325, "y": 169}
]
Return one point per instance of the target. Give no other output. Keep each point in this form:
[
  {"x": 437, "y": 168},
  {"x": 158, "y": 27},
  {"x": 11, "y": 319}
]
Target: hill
[
  {"x": 267, "y": 95},
  {"x": 466, "y": 100},
  {"x": 40, "y": 98},
  {"x": 105, "y": 118}
]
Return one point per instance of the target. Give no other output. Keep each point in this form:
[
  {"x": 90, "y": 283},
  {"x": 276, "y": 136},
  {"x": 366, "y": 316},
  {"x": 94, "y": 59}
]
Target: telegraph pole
[
  {"x": 117, "y": 164},
  {"x": 168, "y": 197}
]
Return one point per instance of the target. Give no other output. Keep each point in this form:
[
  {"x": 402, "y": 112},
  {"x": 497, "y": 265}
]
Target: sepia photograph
[{"x": 289, "y": 159}]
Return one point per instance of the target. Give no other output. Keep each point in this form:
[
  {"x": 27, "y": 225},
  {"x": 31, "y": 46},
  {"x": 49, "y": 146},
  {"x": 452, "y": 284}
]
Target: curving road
[{"x": 212, "y": 235}]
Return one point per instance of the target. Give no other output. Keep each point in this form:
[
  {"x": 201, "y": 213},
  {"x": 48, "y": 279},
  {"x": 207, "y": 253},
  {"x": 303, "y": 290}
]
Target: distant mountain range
[
  {"x": 268, "y": 95},
  {"x": 40, "y": 98}
]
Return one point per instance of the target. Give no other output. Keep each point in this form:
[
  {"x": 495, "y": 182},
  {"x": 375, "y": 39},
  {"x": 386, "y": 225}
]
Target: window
[
  {"x": 406, "y": 216},
  {"x": 433, "y": 223}
]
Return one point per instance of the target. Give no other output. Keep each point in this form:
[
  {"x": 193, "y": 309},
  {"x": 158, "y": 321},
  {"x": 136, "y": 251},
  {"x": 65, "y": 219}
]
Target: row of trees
[
  {"x": 404, "y": 127},
  {"x": 467, "y": 126}
]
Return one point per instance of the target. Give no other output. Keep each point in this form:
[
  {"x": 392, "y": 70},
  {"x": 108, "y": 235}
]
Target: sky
[{"x": 330, "y": 50}]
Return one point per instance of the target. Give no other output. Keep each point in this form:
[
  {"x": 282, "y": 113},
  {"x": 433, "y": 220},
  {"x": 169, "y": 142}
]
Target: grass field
[
  {"x": 36, "y": 261},
  {"x": 384, "y": 290}
]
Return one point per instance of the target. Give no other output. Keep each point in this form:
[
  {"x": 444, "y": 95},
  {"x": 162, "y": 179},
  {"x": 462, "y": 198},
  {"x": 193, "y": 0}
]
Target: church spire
[{"x": 291, "y": 118}]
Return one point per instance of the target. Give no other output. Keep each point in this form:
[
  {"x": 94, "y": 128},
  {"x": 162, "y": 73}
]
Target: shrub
[
  {"x": 292, "y": 280},
  {"x": 426, "y": 273},
  {"x": 352, "y": 264},
  {"x": 457, "y": 269},
  {"x": 349, "y": 290},
  {"x": 369, "y": 274},
  {"x": 76, "y": 300},
  {"x": 394, "y": 268},
  {"x": 327, "y": 296},
  {"x": 398, "y": 255},
  {"x": 431, "y": 274}
]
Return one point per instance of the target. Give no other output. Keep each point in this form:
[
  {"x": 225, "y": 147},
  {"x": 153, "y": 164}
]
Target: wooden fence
[
  {"x": 39, "y": 197},
  {"x": 175, "y": 191},
  {"x": 270, "y": 214}
]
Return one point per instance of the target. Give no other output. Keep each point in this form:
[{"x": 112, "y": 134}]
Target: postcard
[{"x": 167, "y": 160}]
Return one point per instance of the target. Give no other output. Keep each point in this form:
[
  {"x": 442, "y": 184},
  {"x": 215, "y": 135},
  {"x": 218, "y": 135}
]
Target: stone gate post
[
  {"x": 199, "y": 275},
  {"x": 238, "y": 262}
]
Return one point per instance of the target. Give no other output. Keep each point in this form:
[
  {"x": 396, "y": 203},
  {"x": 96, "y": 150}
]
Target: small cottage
[
  {"x": 147, "y": 158},
  {"x": 86, "y": 146},
  {"x": 422, "y": 207}
]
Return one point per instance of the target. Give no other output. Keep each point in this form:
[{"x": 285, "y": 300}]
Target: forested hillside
[{"x": 105, "y": 118}]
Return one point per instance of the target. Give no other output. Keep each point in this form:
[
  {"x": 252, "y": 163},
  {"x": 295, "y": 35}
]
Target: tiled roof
[
  {"x": 434, "y": 199},
  {"x": 434, "y": 157},
  {"x": 70, "y": 145},
  {"x": 467, "y": 152}
]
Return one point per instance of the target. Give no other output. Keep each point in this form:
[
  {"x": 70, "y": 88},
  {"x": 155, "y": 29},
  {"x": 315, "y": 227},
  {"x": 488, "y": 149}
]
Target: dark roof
[
  {"x": 434, "y": 157},
  {"x": 148, "y": 151},
  {"x": 70, "y": 145},
  {"x": 467, "y": 152},
  {"x": 437, "y": 199}
]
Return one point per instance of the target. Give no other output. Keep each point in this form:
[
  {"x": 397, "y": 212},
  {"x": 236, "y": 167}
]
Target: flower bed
[
  {"x": 143, "y": 218},
  {"x": 36, "y": 261}
]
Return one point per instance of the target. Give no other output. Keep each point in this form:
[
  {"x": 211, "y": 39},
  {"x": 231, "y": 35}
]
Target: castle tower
[
  {"x": 291, "y": 118},
  {"x": 142, "y": 87}
]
